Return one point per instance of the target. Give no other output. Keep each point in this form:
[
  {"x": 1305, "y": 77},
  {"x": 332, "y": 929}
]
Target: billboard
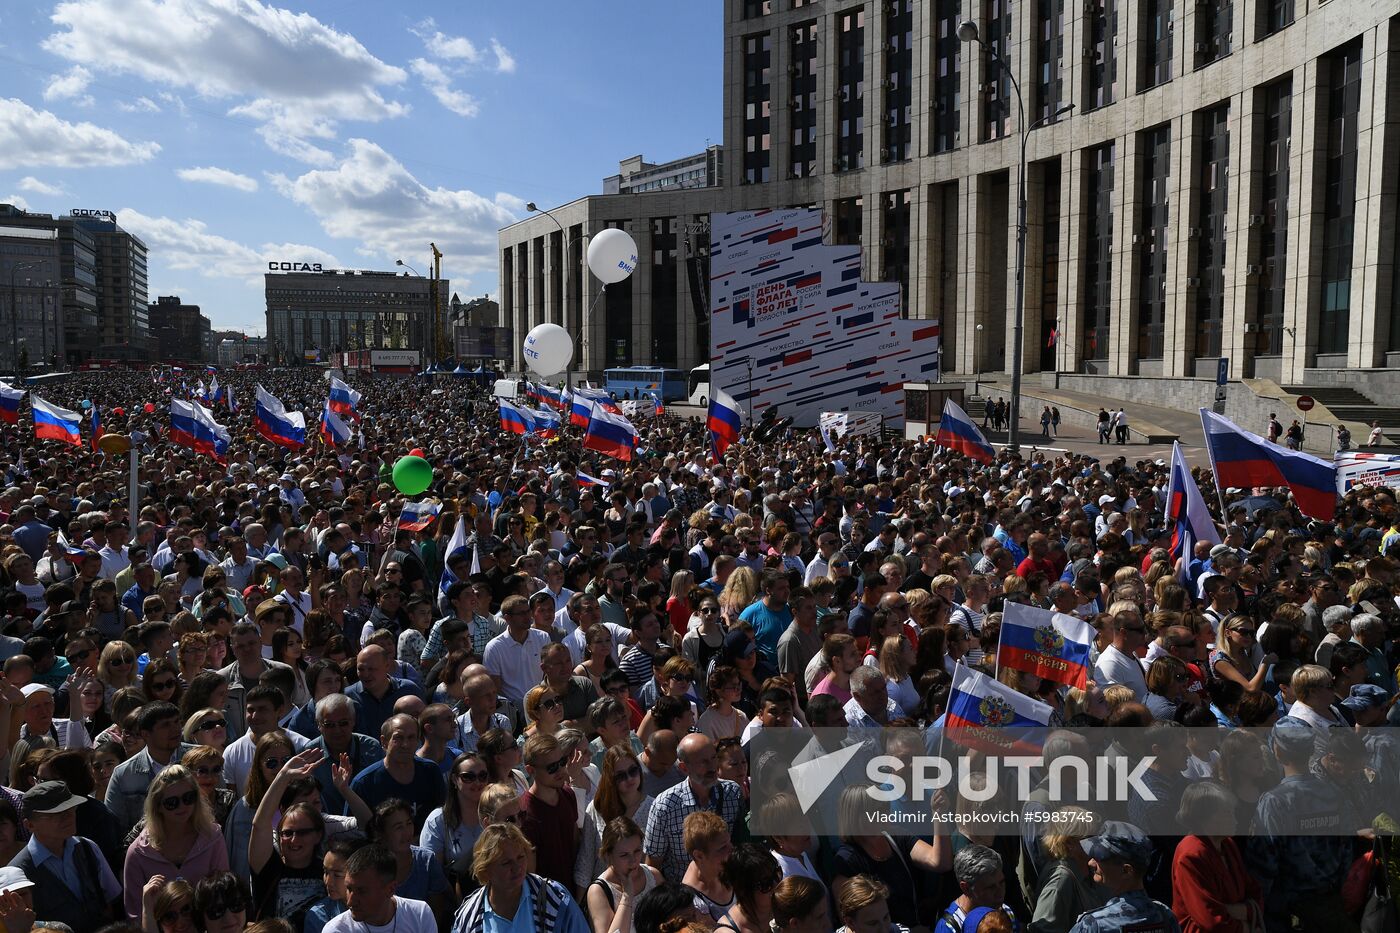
[
  {"x": 1356, "y": 469},
  {"x": 791, "y": 317},
  {"x": 479, "y": 342}
]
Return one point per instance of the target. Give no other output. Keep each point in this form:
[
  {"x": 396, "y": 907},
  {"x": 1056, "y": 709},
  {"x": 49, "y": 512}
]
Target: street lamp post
[
  {"x": 400, "y": 262},
  {"x": 14, "y": 311},
  {"x": 968, "y": 32}
]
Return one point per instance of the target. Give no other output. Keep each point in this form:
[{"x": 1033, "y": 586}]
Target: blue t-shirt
[
  {"x": 768, "y": 627},
  {"x": 425, "y": 878},
  {"x": 424, "y": 793},
  {"x": 321, "y": 913}
]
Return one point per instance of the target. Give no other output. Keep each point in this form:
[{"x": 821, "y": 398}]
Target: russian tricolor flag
[
  {"x": 274, "y": 423},
  {"x": 333, "y": 431},
  {"x": 455, "y": 544},
  {"x": 344, "y": 400},
  {"x": 70, "y": 551},
  {"x": 193, "y": 426},
  {"x": 1186, "y": 512},
  {"x": 724, "y": 421},
  {"x": 988, "y": 716},
  {"x": 585, "y": 480},
  {"x": 417, "y": 516},
  {"x": 610, "y": 433},
  {"x": 514, "y": 419},
  {"x": 1242, "y": 459},
  {"x": 228, "y": 400},
  {"x": 1051, "y": 645},
  {"x": 957, "y": 432},
  {"x": 546, "y": 422},
  {"x": 9, "y": 403},
  {"x": 54, "y": 423},
  {"x": 660, "y": 409}
]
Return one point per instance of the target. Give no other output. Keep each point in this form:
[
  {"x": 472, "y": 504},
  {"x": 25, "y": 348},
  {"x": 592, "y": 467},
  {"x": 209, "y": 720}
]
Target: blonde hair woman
[
  {"x": 739, "y": 592},
  {"x": 500, "y": 863},
  {"x": 1067, "y": 888},
  {"x": 181, "y": 838},
  {"x": 678, "y": 603},
  {"x": 896, "y": 659}
]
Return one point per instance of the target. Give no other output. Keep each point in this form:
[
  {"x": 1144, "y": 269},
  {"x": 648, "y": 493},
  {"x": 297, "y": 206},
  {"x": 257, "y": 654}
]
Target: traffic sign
[
  {"x": 1306, "y": 402},
  {"x": 1222, "y": 370}
]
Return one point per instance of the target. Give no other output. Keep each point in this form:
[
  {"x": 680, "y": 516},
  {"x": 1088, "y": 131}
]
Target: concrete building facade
[
  {"x": 1225, "y": 185},
  {"x": 123, "y": 325},
  {"x": 179, "y": 332},
  {"x": 29, "y": 288},
  {"x": 342, "y": 310},
  {"x": 77, "y": 333}
]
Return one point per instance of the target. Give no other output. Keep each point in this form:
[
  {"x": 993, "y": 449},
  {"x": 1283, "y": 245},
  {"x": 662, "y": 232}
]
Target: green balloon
[{"x": 412, "y": 475}]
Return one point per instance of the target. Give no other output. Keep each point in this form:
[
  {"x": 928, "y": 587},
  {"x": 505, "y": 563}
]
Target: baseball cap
[
  {"x": 1220, "y": 549},
  {"x": 738, "y": 644},
  {"x": 277, "y": 560},
  {"x": 49, "y": 797},
  {"x": 1119, "y": 841},
  {"x": 13, "y": 879},
  {"x": 1364, "y": 697},
  {"x": 28, "y": 690}
]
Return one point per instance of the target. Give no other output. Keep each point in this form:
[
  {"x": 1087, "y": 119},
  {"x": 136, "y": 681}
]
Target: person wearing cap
[
  {"x": 39, "y": 722},
  {"x": 72, "y": 882},
  {"x": 1301, "y": 875},
  {"x": 16, "y": 901},
  {"x": 1120, "y": 856}
]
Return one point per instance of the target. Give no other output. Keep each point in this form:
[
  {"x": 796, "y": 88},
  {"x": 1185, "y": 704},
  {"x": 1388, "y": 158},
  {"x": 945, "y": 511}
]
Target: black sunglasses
[
  {"x": 555, "y": 766},
  {"x": 550, "y": 703},
  {"x": 175, "y": 801},
  {"x": 296, "y": 832},
  {"x": 633, "y": 772},
  {"x": 474, "y": 777},
  {"x": 79, "y": 655},
  {"x": 212, "y": 724}
]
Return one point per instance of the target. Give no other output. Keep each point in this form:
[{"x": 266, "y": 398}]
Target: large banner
[
  {"x": 1355, "y": 469},
  {"x": 791, "y": 316}
]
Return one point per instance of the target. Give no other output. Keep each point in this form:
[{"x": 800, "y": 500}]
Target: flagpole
[{"x": 1215, "y": 473}]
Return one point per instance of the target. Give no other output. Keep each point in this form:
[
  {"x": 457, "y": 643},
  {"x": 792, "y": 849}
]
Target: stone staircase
[{"x": 1350, "y": 405}]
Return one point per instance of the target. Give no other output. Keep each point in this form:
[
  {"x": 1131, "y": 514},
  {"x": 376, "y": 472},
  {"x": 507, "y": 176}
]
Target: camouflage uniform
[{"x": 1134, "y": 910}]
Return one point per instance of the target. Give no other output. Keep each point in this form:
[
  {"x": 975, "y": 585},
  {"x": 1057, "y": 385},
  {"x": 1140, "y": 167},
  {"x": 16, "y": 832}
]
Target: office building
[
  {"x": 75, "y": 336},
  {"x": 1224, "y": 187},
  {"x": 179, "y": 332},
  {"x": 123, "y": 326},
  {"x": 235, "y": 348},
  {"x": 29, "y": 284},
  {"x": 311, "y": 314},
  {"x": 637, "y": 176}
]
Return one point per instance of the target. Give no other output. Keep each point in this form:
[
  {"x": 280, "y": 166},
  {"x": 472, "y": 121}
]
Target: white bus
[{"x": 699, "y": 386}]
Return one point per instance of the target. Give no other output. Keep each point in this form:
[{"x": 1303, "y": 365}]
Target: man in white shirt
[
  {"x": 827, "y": 542},
  {"x": 298, "y": 602},
  {"x": 1119, "y": 664},
  {"x": 513, "y": 657},
  {"x": 263, "y": 708},
  {"x": 554, "y": 584},
  {"x": 372, "y": 906},
  {"x": 114, "y": 559},
  {"x": 39, "y": 722},
  {"x": 238, "y": 566}
]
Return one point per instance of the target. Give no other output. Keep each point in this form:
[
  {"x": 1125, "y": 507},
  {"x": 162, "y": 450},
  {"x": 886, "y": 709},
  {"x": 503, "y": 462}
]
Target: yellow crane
[{"x": 441, "y": 349}]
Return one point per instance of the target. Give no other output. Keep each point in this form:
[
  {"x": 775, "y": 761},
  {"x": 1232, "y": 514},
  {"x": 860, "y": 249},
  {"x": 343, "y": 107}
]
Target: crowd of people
[{"x": 254, "y": 700}]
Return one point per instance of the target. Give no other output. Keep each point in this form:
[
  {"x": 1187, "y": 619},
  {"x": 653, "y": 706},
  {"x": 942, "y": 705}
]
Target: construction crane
[{"x": 441, "y": 349}]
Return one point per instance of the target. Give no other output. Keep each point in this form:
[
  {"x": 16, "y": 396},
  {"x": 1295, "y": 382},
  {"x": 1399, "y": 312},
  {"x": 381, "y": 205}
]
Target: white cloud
[
  {"x": 212, "y": 175},
  {"x": 16, "y": 200},
  {"x": 439, "y": 45},
  {"x": 289, "y": 71},
  {"x": 294, "y": 148},
  {"x": 372, "y": 199},
  {"x": 30, "y": 137},
  {"x": 437, "y": 81},
  {"x": 70, "y": 85},
  {"x": 188, "y": 245},
  {"x": 139, "y": 105},
  {"x": 505, "y": 62},
  {"x": 35, "y": 186}
]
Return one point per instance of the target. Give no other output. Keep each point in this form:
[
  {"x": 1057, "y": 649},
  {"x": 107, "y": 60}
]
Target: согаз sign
[
  {"x": 294, "y": 267},
  {"x": 103, "y": 215}
]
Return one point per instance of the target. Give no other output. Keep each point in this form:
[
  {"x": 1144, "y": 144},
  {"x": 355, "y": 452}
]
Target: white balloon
[
  {"x": 612, "y": 255},
  {"x": 548, "y": 349}
]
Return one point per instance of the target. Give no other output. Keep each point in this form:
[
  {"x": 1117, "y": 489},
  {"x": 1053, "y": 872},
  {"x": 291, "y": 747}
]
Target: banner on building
[
  {"x": 841, "y": 424},
  {"x": 817, "y": 337},
  {"x": 1355, "y": 469}
]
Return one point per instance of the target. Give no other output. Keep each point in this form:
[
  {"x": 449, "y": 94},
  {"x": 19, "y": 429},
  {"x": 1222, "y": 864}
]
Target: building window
[
  {"x": 617, "y": 338},
  {"x": 850, "y": 90},
  {"x": 847, "y": 228},
  {"x": 899, "y": 78},
  {"x": 996, "y": 111},
  {"x": 757, "y": 101},
  {"x": 1100, "y": 57},
  {"x": 895, "y": 240},
  {"x": 1274, "y": 15},
  {"x": 1212, "y": 184},
  {"x": 1214, "y": 21},
  {"x": 804, "y": 101},
  {"x": 756, "y": 8},
  {"x": 947, "y": 51},
  {"x": 1050, "y": 54},
  {"x": 1098, "y": 252},
  {"x": 1049, "y": 264},
  {"x": 664, "y": 321},
  {"x": 1155, "y": 146},
  {"x": 1275, "y": 139},
  {"x": 1341, "y": 70},
  {"x": 1157, "y": 27}
]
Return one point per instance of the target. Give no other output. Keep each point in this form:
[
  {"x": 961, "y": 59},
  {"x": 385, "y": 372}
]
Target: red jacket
[{"x": 1204, "y": 880}]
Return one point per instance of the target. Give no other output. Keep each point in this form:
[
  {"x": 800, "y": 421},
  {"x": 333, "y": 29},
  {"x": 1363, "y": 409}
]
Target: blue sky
[{"x": 349, "y": 132}]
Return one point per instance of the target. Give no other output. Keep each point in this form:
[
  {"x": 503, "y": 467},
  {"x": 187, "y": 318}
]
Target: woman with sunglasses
[
  {"x": 452, "y": 829},
  {"x": 207, "y": 765},
  {"x": 704, "y": 636},
  {"x": 192, "y": 654},
  {"x": 1233, "y": 657},
  {"x": 161, "y": 681},
  {"x": 206, "y": 727},
  {"x": 167, "y": 906},
  {"x": 180, "y": 838},
  {"x": 288, "y": 876},
  {"x": 614, "y": 893},
  {"x": 270, "y": 755},
  {"x": 544, "y": 711},
  {"x": 221, "y": 903},
  {"x": 116, "y": 667},
  {"x": 619, "y": 794}
]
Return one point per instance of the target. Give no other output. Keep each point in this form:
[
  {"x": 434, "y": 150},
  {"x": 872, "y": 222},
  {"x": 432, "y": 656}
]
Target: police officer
[{"x": 1120, "y": 856}]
